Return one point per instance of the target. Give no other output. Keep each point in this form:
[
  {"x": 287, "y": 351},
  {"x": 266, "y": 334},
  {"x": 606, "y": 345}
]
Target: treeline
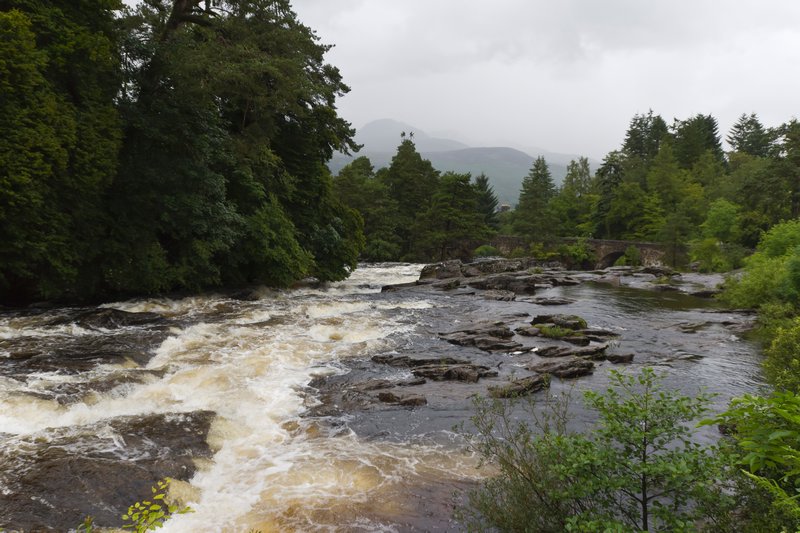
[
  {"x": 178, "y": 145},
  {"x": 672, "y": 184}
]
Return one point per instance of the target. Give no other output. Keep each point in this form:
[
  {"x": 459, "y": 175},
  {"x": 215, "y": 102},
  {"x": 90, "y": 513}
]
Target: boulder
[
  {"x": 571, "y": 367},
  {"x": 620, "y": 358},
  {"x": 406, "y": 361},
  {"x": 563, "y": 321},
  {"x": 465, "y": 372},
  {"x": 443, "y": 270},
  {"x": 408, "y": 400},
  {"x": 528, "y": 331},
  {"x": 592, "y": 352},
  {"x": 520, "y": 387}
]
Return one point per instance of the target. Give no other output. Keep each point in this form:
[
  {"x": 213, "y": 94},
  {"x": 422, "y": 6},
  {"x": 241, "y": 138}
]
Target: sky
[{"x": 561, "y": 75}]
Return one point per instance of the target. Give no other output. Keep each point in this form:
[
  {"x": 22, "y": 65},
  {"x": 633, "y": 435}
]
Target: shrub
[
  {"x": 486, "y": 251},
  {"x": 637, "y": 470},
  {"x": 767, "y": 433}
]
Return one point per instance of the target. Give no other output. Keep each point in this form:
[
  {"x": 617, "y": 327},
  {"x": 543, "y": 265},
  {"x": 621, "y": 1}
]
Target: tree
[
  {"x": 411, "y": 182},
  {"x": 608, "y": 177},
  {"x": 452, "y": 220},
  {"x": 533, "y": 218},
  {"x": 638, "y": 469},
  {"x": 487, "y": 201},
  {"x": 60, "y": 134},
  {"x": 693, "y": 137},
  {"x": 748, "y": 136},
  {"x": 644, "y": 136},
  {"x": 357, "y": 187},
  {"x": 573, "y": 204}
]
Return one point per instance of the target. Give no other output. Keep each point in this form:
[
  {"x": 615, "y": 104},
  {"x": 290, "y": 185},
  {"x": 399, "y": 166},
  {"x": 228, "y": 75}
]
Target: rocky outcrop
[
  {"x": 406, "y": 400},
  {"x": 619, "y": 358},
  {"x": 573, "y": 322},
  {"x": 469, "y": 373},
  {"x": 571, "y": 367},
  {"x": 488, "y": 337},
  {"x": 591, "y": 352},
  {"x": 520, "y": 387}
]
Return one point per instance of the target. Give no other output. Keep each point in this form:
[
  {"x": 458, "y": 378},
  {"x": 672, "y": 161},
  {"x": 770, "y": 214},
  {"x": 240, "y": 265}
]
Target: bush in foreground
[{"x": 637, "y": 470}]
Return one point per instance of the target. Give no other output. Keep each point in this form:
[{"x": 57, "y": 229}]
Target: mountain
[{"x": 505, "y": 166}]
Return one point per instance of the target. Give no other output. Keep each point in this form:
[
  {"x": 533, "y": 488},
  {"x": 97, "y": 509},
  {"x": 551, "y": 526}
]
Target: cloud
[{"x": 567, "y": 75}]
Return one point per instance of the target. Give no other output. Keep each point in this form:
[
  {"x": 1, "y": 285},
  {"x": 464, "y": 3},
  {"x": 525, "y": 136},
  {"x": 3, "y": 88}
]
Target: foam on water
[{"x": 251, "y": 368}]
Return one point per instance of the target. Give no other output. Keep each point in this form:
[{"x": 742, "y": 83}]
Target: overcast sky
[{"x": 563, "y": 75}]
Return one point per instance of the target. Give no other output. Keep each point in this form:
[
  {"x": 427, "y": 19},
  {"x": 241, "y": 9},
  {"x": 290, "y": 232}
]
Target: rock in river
[
  {"x": 571, "y": 367},
  {"x": 520, "y": 387}
]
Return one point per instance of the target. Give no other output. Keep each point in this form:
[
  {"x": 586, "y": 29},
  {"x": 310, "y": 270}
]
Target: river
[{"x": 245, "y": 402}]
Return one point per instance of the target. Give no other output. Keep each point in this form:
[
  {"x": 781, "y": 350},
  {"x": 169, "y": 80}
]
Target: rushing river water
[{"x": 234, "y": 397}]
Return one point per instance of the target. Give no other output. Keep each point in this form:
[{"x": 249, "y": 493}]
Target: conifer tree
[{"x": 533, "y": 218}]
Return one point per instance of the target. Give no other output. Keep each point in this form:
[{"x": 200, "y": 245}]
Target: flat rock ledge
[
  {"x": 571, "y": 367},
  {"x": 520, "y": 387}
]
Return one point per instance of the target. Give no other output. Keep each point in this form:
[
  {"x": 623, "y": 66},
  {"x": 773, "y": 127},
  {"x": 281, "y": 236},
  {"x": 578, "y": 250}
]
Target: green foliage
[
  {"x": 578, "y": 254},
  {"x": 487, "y": 201},
  {"x": 486, "y": 250},
  {"x": 637, "y": 470},
  {"x": 149, "y": 515},
  {"x": 772, "y": 274},
  {"x": 749, "y": 136},
  {"x": 534, "y": 219},
  {"x": 555, "y": 332},
  {"x": 451, "y": 220},
  {"x": 767, "y": 433},
  {"x": 782, "y": 366},
  {"x": 631, "y": 257}
]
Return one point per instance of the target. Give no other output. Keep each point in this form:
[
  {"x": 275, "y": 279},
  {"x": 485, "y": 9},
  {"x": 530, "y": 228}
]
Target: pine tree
[
  {"x": 695, "y": 136},
  {"x": 533, "y": 218},
  {"x": 487, "y": 201},
  {"x": 749, "y": 136}
]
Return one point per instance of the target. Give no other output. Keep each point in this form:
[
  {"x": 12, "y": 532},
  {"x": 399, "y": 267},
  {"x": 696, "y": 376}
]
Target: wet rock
[
  {"x": 401, "y": 286},
  {"x": 620, "y": 358},
  {"x": 96, "y": 470},
  {"x": 599, "y": 333},
  {"x": 406, "y": 361},
  {"x": 447, "y": 285},
  {"x": 520, "y": 387},
  {"x": 412, "y": 382},
  {"x": 488, "y": 337},
  {"x": 407, "y": 400},
  {"x": 591, "y": 352},
  {"x": 501, "y": 296},
  {"x": 74, "y": 354},
  {"x": 578, "y": 340},
  {"x": 466, "y": 372},
  {"x": 528, "y": 331},
  {"x": 107, "y": 318},
  {"x": 374, "y": 384},
  {"x": 563, "y": 321},
  {"x": 443, "y": 270},
  {"x": 553, "y": 301},
  {"x": 571, "y": 367}
]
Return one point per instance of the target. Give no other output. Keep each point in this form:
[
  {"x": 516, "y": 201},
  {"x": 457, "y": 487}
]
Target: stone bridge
[{"x": 606, "y": 251}]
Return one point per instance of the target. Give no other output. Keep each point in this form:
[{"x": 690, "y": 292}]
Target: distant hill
[{"x": 505, "y": 167}]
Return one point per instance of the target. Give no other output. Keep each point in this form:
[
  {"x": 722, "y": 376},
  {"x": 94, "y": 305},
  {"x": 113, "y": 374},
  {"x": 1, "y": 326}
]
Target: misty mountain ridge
[{"x": 505, "y": 166}]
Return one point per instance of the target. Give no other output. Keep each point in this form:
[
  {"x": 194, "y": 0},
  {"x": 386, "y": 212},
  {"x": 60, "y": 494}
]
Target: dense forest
[
  {"x": 178, "y": 145},
  {"x": 669, "y": 184}
]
